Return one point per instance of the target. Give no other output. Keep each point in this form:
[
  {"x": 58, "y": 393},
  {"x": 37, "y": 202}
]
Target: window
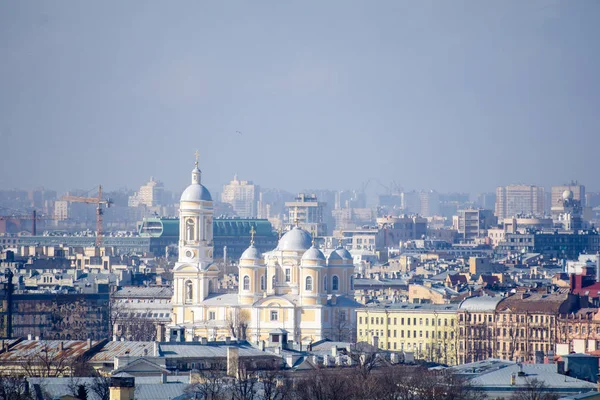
[
  {"x": 263, "y": 283},
  {"x": 274, "y": 315},
  {"x": 335, "y": 283},
  {"x": 189, "y": 291},
  {"x": 288, "y": 275},
  {"x": 246, "y": 282},
  {"x": 190, "y": 229},
  {"x": 309, "y": 283},
  {"x": 325, "y": 284},
  {"x": 274, "y": 280},
  {"x": 211, "y": 315}
]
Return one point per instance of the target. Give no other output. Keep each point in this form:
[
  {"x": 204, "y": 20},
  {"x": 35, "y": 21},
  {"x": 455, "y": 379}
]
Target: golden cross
[
  {"x": 314, "y": 234},
  {"x": 252, "y": 232},
  {"x": 197, "y": 156}
]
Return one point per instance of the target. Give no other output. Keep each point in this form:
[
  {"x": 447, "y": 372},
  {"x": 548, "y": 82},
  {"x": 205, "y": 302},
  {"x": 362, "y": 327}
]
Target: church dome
[
  {"x": 251, "y": 253},
  {"x": 295, "y": 239},
  {"x": 196, "y": 191},
  {"x": 313, "y": 254},
  {"x": 340, "y": 254},
  {"x": 567, "y": 195}
]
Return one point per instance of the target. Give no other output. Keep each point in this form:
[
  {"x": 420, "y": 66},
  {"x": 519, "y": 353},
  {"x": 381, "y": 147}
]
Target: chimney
[
  {"x": 61, "y": 346},
  {"x": 89, "y": 344},
  {"x": 30, "y": 337},
  {"x": 203, "y": 340},
  {"x": 375, "y": 341},
  {"x": 261, "y": 345},
  {"x": 334, "y": 351},
  {"x": 155, "y": 349},
  {"x": 227, "y": 340},
  {"x": 37, "y": 338},
  {"x": 163, "y": 377},
  {"x": 513, "y": 379},
  {"x": 233, "y": 361}
]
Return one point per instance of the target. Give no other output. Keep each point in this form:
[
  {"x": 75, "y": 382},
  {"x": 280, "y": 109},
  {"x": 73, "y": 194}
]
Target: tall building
[
  {"x": 410, "y": 202},
  {"x": 307, "y": 212},
  {"x": 430, "y": 203},
  {"x": 514, "y": 200},
  {"x": 243, "y": 197},
  {"x": 150, "y": 195}
]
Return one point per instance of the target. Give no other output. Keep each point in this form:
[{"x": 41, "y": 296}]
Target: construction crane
[{"x": 99, "y": 210}]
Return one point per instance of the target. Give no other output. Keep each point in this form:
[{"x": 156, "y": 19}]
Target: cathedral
[{"x": 294, "y": 289}]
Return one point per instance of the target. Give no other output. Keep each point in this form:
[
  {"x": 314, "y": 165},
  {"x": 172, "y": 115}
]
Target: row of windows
[
  {"x": 308, "y": 285},
  {"x": 407, "y": 334},
  {"x": 407, "y": 321},
  {"x": 541, "y": 319}
]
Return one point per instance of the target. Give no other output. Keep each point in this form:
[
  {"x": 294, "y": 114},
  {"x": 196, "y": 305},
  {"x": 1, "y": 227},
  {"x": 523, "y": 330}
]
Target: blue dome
[
  {"x": 295, "y": 239},
  {"x": 196, "y": 192},
  {"x": 340, "y": 254},
  {"x": 251, "y": 253},
  {"x": 313, "y": 254}
]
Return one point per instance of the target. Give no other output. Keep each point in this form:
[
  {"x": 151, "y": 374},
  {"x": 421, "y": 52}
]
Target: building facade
[
  {"x": 243, "y": 197},
  {"x": 513, "y": 200}
]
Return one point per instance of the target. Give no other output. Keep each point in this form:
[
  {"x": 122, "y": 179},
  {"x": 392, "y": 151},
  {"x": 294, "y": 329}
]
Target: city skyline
[{"x": 453, "y": 96}]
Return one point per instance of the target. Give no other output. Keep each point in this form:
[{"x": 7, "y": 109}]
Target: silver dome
[
  {"x": 251, "y": 253},
  {"x": 295, "y": 239},
  {"x": 313, "y": 254},
  {"x": 340, "y": 254},
  {"x": 196, "y": 192}
]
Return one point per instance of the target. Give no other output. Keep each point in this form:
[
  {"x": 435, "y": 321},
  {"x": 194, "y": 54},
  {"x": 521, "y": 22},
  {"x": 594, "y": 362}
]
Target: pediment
[{"x": 185, "y": 268}]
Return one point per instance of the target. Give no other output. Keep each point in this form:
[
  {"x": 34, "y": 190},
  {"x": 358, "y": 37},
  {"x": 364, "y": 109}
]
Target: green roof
[{"x": 165, "y": 227}]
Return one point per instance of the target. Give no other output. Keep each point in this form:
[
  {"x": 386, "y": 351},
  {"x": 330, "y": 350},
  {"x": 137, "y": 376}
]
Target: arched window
[
  {"x": 189, "y": 291},
  {"x": 309, "y": 283},
  {"x": 263, "y": 283},
  {"x": 352, "y": 283},
  {"x": 325, "y": 283},
  {"x": 189, "y": 228},
  {"x": 335, "y": 283},
  {"x": 274, "y": 280},
  {"x": 210, "y": 286},
  {"x": 246, "y": 282}
]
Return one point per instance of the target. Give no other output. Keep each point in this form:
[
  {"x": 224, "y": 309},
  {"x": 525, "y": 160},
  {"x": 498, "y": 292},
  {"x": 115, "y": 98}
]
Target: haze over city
[{"x": 452, "y": 96}]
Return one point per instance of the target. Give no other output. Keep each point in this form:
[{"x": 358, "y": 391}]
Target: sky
[{"x": 447, "y": 95}]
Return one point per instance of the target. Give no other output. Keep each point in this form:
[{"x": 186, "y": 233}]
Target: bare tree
[
  {"x": 101, "y": 387},
  {"x": 237, "y": 321},
  {"x": 244, "y": 386},
  {"x": 324, "y": 385},
  {"x": 365, "y": 357},
  {"x": 14, "y": 388},
  {"x": 342, "y": 328},
  {"x": 534, "y": 389},
  {"x": 48, "y": 362},
  {"x": 209, "y": 385},
  {"x": 275, "y": 386}
]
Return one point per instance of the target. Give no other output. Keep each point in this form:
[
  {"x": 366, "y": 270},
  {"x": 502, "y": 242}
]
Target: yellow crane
[{"x": 101, "y": 202}]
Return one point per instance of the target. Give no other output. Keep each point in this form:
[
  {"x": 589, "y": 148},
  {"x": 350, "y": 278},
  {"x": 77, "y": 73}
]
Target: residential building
[
  {"x": 427, "y": 330},
  {"x": 307, "y": 212},
  {"x": 243, "y": 197},
  {"x": 513, "y": 200},
  {"x": 473, "y": 223},
  {"x": 557, "y": 199},
  {"x": 150, "y": 195},
  {"x": 429, "y": 203}
]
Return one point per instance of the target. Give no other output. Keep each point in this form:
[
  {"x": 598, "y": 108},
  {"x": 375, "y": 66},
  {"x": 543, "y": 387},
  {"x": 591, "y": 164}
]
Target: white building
[{"x": 243, "y": 197}]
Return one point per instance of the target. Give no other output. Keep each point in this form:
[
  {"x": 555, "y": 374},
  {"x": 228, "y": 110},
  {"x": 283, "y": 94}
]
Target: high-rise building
[
  {"x": 430, "y": 203},
  {"x": 243, "y": 197},
  {"x": 150, "y": 195},
  {"x": 410, "y": 202},
  {"x": 307, "y": 212},
  {"x": 514, "y": 200},
  {"x": 474, "y": 223}
]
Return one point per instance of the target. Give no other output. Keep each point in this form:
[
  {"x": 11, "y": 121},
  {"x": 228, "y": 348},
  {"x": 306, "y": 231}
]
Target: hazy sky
[{"x": 449, "y": 95}]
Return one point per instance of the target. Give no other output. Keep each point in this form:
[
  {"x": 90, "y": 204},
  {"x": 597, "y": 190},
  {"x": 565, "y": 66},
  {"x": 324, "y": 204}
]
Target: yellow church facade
[{"x": 294, "y": 288}]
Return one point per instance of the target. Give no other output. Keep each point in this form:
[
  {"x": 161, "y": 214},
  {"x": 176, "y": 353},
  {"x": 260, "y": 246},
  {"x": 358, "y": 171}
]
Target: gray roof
[
  {"x": 196, "y": 192},
  {"x": 117, "y": 348},
  {"x": 414, "y": 307},
  {"x": 197, "y": 350},
  {"x": 145, "y": 292},
  {"x": 221, "y": 299},
  {"x": 480, "y": 303}
]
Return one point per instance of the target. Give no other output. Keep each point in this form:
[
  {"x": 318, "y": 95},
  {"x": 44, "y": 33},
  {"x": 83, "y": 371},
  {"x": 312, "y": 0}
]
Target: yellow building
[
  {"x": 294, "y": 290},
  {"x": 427, "y": 330}
]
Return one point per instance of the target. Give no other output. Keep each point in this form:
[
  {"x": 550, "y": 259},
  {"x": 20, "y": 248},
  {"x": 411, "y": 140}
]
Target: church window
[
  {"x": 189, "y": 291},
  {"x": 274, "y": 315},
  {"x": 309, "y": 283},
  {"x": 210, "y": 287},
  {"x": 190, "y": 228},
  {"x": 274, "y": 280},
  {"x": 246, "y": 282},
  {"x": 263, "y": 284},
  {"x": 325, "y": 284},
  {"x": 335, "y": 283},
  {"x": 211, "y": 315},
  {"x": 288, "y": 275}
]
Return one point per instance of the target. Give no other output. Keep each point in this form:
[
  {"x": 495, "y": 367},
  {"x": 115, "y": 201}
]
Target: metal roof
[
  {"x": 145, "y": 292},
  {"x": 480, "y": 303},
  {"x": 117, "y": 349},
  {"x": 28, "y": 348},
  {"x": 197, "y": 350}
]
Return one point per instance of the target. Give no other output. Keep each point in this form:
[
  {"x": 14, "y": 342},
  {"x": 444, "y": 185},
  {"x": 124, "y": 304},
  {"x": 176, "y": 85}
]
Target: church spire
[{"x": 196, "y": 173}]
